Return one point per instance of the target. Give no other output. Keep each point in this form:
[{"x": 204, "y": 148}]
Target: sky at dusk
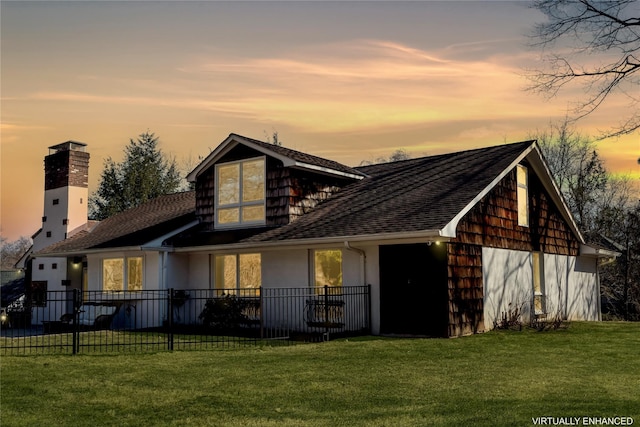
[{"x": 349, "y": 81}]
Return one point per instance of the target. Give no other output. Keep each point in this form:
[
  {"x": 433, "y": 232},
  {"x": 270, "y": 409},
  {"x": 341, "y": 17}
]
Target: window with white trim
[
  {"x": 122, "y": 274},
  {"x": 235, "y": 273},
  {"x": 523, "y": 196},
  {"x": 240, "y": 193}
]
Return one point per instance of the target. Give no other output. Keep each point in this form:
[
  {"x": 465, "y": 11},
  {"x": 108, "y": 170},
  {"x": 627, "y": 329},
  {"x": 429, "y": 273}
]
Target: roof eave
[
  {"x": 233, "y": 140},
  {"x": 592, "y": 252},
  {"x": 450, "y": 228},
  {"x": 22, "y": 262},
  {"x": 157, "y": 244},
  {"x": 388, "y": 238},
  {"x": 81, "y": 252},
  {"x": 323, "y": 170},
  {"x": 542, "y": 171}
]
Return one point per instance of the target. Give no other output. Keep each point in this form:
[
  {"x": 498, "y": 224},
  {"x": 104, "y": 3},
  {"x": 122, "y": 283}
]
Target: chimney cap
[{"x": 67, "y": 146}]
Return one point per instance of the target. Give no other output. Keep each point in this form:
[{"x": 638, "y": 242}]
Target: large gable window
[
  {"x": 122, "y": 274},
  {"x": 240, "y": 192},
  {"x": 523, "y": 196}
]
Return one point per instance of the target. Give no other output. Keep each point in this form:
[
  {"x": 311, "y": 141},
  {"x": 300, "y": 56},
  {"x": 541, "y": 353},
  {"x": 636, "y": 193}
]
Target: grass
[{"x": 494, "y": 379}]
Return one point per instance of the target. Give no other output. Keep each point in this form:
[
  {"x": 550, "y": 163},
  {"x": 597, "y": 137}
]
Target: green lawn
[{"x": 495, "y": 379}]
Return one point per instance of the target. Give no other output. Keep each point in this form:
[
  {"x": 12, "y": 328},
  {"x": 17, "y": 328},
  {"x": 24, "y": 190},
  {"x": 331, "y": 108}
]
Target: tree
[
  {"x": 620, "y": 280},
  {"x": 578, "y": 170},
  {"x": 276, "y": 138},
  {"x": 145, "y": 173},
  {"x": 11, "y": 252},
  {"x": 397, "y": 155},
  {"x": 580, "y": 30},
  {"x": 602, "y": 206}
]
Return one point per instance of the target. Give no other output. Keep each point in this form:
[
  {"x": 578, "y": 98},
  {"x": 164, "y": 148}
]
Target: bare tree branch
[{"x": 608, "y": 28}]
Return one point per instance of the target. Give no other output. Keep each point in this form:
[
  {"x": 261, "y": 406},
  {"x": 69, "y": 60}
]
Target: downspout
[
  {"x": 165, "y": 255},
  {"x": 363, "y": 260},
  {"x": 163, "y": 279},
  {"x": 363, "y": 266}
]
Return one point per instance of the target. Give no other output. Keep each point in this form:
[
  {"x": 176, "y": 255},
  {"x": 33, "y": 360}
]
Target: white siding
[
  {"x": 570, "y": 285},
  {"x": 198, "y": 271},
  {"x": 177, "y": 272},
  {"x": 574, "y": 294},
  {"x": 285, "y": 269},
  {"x": 508, "y": 283}
]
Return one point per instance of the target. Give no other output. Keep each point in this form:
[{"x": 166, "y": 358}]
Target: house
[{"x": 448, "y": 244}]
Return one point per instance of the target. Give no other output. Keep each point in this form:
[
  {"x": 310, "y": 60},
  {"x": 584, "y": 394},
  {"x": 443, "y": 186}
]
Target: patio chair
[{"x": 91, "y": 316}]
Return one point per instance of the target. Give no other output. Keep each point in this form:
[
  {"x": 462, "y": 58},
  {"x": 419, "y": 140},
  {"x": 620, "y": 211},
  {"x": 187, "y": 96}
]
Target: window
[
  {"x": 240, "y": 192},
  {"x": 39, "y": 293},
  {"x": 523, "y": 196},
  {"x": 115, "y": 275},
  {"x": 538, "y": 283},
  {"x": 134, "y": 274},
  {"x": 56, "y": 201},
  {"x": 48, "y": 234},
  {"x": 54, "y": 266},
  {"x": 44, "y": 219},
  {"x": 65, "y": 221},
  {"x": 238, "y": 271},
  {"x": 40, "y": 266},
  {"x": 327, "y": 267}
]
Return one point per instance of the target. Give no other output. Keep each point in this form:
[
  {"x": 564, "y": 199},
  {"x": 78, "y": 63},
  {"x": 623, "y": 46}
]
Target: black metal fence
[{"x": 181, "y": 319}]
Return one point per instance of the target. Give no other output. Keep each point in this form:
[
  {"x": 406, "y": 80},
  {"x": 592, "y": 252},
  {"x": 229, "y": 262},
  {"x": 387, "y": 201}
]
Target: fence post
[
  {"x": 170, "y": 319},
  {"x": 326, "y": 313},
  {"x": 75, "y": 335},
  {"x": 369, "y": 307},
  {"x": 261, "y": 311}
]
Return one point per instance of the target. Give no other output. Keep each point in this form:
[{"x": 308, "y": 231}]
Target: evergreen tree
[{"x": 145, "y": 173}]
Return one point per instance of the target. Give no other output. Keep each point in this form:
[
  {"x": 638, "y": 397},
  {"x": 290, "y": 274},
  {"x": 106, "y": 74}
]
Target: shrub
[{"x": 225, "y": 313}]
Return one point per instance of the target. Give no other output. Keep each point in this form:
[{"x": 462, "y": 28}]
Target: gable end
[{"x": 493, "y": 222}]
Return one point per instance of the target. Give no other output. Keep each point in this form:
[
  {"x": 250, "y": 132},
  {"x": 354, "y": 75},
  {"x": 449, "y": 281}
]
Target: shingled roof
[
  {"x": 406, "y": 196},
  {"x": 132, "y": 227},
  {"x": 291, "y": 158},
  {"x": 410, "y": 196}
]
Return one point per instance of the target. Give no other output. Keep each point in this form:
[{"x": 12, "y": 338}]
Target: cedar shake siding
[
  {"x": 205, "y": 197},
  {"x": 290, "y": 193},
  {"x": 493, "y": 222},
  {"x": 465, "y": 289}
]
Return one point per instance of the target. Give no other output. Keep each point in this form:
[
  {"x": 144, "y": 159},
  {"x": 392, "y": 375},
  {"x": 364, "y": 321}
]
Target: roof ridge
[
  {"x": 443, "y": 155},
  {"x": 290, "y": 152}
]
